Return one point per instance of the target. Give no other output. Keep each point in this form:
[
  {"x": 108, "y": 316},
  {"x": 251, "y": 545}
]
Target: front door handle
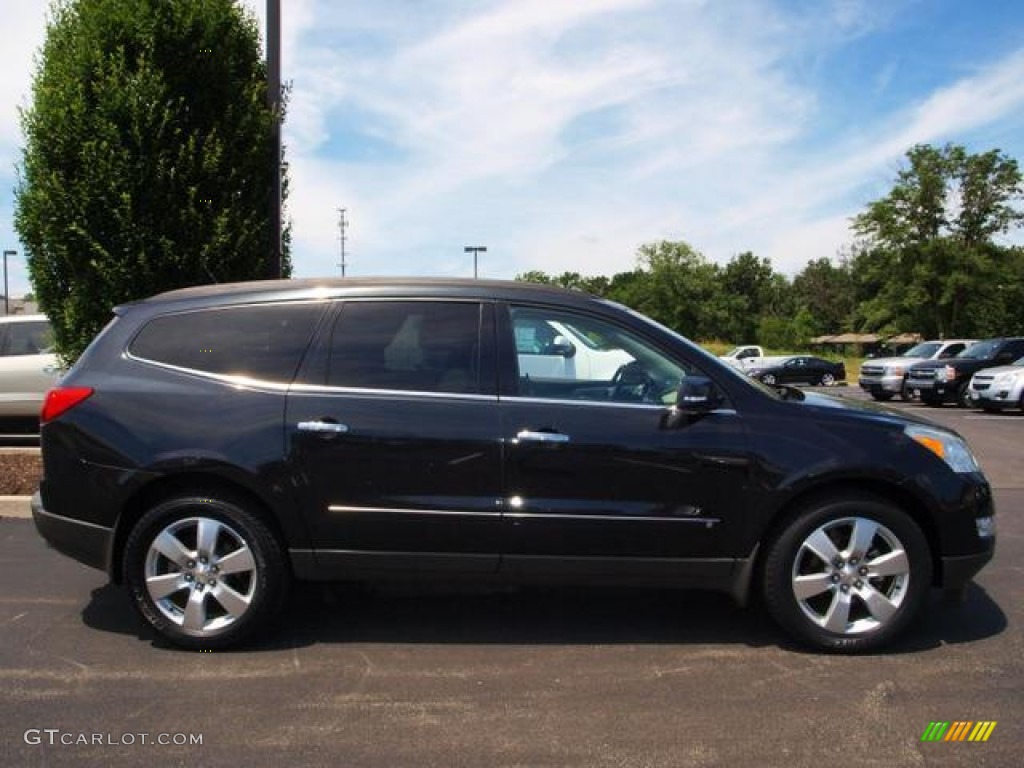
[
  {"x": 323, "y": 427},
  {"x": 533, "y": 436}
]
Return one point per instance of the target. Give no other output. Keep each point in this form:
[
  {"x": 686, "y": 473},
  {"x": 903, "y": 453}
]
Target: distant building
[{"x": 20, "y": 306}]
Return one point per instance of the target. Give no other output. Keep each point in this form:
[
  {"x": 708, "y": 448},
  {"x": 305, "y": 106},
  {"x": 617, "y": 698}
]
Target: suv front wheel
[
  {"x": 847, "y": 574},
  {"x": 204, "y": 572}
]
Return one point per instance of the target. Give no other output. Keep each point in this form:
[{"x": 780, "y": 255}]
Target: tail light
[{"x": 61, "y": 399}]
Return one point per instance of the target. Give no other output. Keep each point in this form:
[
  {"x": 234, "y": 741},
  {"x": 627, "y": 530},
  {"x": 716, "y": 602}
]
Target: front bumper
[
  {"x": 881, "y": 384},
  {"x": 958, "y": 571},
  {"x": 995, "y": 396},
  {"x": 86, "y": 542}
]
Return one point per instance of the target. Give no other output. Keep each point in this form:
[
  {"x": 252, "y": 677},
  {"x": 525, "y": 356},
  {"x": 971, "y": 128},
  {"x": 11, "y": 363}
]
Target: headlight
[
  {"x": 1006, "y": 379},
  {"x": 896, "y": 370},
  {"x": 947, "y": 446},
  {"x": 945, "y": 374}
]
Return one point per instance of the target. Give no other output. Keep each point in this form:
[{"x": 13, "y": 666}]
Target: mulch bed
[{"x": 19, "y": 473}]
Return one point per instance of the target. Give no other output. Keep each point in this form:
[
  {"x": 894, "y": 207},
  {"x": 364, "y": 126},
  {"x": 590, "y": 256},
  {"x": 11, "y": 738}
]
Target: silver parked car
[
  {"x": 885, "y": 377},
  {"x": 994, "y": 389},
  {"x": 28, "y": 367}
]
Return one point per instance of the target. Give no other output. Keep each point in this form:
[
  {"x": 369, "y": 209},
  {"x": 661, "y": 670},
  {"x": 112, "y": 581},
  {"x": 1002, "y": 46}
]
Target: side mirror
[
  {"x": 563, "y": 347},
  {"x": 697, "y": 396}
]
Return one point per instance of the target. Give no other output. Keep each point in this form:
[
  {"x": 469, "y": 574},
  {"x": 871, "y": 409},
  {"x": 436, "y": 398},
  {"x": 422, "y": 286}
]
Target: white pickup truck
[{"x": 744, "y": 356}]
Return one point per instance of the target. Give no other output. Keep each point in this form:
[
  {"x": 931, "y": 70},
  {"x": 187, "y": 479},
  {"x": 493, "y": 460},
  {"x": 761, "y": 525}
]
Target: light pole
[
  {"x": 275, "y": 262},
  {"x": 475, "y": 249},
  {"x": 7, "y": 298}
]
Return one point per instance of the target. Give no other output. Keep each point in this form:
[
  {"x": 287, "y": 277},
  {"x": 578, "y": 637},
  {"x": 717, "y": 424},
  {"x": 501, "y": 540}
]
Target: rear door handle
[
  {"x": 323, "y": 427},
  {"x": 533, "y": 436}
]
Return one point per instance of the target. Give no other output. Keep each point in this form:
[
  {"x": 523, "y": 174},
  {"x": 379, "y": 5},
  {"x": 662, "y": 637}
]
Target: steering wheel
[{"x": 631, "y": 383}]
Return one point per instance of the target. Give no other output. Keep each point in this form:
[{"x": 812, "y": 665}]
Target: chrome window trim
[
  {"x": 605, "y": 404},
  {"x": 323, "y": 389},
  {"x": 223, "y": 378}
]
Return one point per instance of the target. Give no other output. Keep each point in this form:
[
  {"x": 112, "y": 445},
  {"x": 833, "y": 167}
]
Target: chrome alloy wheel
[
  {"x": 828, "y": 380},
  {"x": 200, "y": 574},
  {"x": 851, "y": 575}
]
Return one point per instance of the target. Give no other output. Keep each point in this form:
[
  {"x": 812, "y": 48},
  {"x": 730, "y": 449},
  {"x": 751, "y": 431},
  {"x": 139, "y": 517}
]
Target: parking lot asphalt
[{"x": 538, "y": 677}]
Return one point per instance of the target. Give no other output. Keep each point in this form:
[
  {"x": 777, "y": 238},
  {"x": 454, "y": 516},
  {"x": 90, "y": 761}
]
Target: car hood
[
  {"x": 1002, "y": 369},
  {"x": 956, "y": 362},
  {"x": 865, "y": 410},
  {"x": 906, "y": 362}
]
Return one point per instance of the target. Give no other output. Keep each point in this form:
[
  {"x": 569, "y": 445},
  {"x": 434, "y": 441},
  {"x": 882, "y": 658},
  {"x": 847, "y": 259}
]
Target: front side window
[
  {"x": 564, "y": 356},
  {"x": 420, "y": 346},
  {"x": 263, "y": 342},
  {"x": 31, "y": 338}
]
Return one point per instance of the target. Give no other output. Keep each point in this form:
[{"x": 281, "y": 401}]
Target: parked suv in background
[
  {"x": 885, "y": 377},
  {"x": 994, "y": 389},
  {"x": 28, "y": 367},
  {"x": 213, "y": 444},
  {"x": 946, "y": 381}
]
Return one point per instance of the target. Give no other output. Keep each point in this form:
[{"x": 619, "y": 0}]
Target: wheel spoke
[
  {"x": 195, "y": 611},
  {"x": 805, "y": 587},
  {"x": 169, "y": 546},
  {"x": 239, "y": 561},
  {"x": 822, "y": 546},
  {"x": 206, "y": 536},
  {"x": 863, "y": 534},
  {"x": 838, "y": 615},
  {"x": 878, "y": 604},
  {"x": 166, "y": 584},
  {"x": 232, "y": 602},
  {"x": 893, "y": 563}
]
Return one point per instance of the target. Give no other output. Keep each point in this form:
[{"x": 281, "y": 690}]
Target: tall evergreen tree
[{"x": 149, "y": 157}]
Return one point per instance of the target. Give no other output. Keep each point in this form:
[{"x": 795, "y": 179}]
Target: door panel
[
  {"x": 596, "y": 473},
  {"x": 396, "y": 449},
  {"x": 622, "y": 483}
]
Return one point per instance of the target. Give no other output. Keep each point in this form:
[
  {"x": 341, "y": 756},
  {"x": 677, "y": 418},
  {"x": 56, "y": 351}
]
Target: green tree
[
  {"x": 750, "y": 289},
  {"x": 932, "y": 238},
  {"x": 148, "y": 157},
  {"x": 824, "y": 292},
  {"x": 683, "y": 290}
]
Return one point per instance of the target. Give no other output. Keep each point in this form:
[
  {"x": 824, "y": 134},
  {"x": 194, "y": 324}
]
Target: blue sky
[{"x": 563, "y": 134}]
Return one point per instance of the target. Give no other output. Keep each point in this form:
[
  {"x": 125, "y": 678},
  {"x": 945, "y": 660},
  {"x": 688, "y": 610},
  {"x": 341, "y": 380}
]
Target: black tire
[
  {"x": 906, "y": 392},
  {"x": 931, "y": 400},
  {"x": 963, "y": 396},
  {"x": 228, "y": 587},
  {"x": 868, "y": 593},
  {"x": 827, "y": 380}
]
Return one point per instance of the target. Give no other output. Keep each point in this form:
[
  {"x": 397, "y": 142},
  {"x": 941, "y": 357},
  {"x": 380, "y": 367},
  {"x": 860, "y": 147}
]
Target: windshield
[
  {"x": 924, "y": 349},
  {"x": 981, "y": 350}
]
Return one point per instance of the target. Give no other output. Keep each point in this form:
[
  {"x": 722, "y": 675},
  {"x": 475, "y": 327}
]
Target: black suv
[
  {"x": 213, "y": 444},
  {"x": 947, "y": 381}
]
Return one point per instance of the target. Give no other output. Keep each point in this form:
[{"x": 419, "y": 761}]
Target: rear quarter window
[{"x": 264, "y": 342}]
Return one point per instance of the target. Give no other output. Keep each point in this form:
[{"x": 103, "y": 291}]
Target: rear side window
[
  {"x": 264, "y": 342},
  {"x": 31, "y": 338},
  {"x": 423, "y": 346}
]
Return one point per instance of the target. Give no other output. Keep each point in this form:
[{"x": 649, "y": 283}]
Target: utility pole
[
  {"x": 342, "y": 226},
  {"x": 275, "y": 259},
  {"x": 475, "y": 249}
]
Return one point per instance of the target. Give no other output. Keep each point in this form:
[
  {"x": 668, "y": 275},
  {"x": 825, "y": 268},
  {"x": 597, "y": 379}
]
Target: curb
[{"x": 16, "y": 506}]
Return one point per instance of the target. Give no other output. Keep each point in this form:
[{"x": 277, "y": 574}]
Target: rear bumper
[{"x": 88, "y": 543}]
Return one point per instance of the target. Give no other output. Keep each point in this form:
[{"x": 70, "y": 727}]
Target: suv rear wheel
[
  {"x": 847, "y": 574},
  {"x": 204, "y": 572}
]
